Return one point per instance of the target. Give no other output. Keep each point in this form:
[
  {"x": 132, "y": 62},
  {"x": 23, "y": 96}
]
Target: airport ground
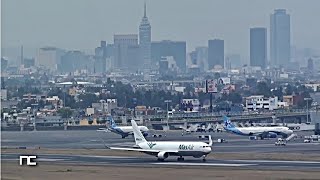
[{"x": 82, "y": 155}]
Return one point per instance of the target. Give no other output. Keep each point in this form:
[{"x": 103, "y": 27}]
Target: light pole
[
  {"x": 168, "y": 101},
  {"x": 307, "y": 99}
]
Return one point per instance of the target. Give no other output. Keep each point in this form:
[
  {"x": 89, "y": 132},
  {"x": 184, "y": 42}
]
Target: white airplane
[
  {"x": 261, "y": 132},
  {"x": 124, "y": 131},
  {"x": 164, "y": 149}
]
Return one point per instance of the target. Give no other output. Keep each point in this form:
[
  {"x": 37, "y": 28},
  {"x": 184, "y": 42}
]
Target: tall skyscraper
[
  {"x": 176, "y": 49},
  {"x": 73, "y": 61},
  {"x": 124, "y": 45},
  {"x": 280, "y": 38},
  {"x": 258, "y": 47},
  {"x": 202, "y": 58},
  {"x": 215, "y": 53},
  {"x": 100, "y": 58},
  {"x": 49, "y": 58},
  {"x": 145, "y": 39}
]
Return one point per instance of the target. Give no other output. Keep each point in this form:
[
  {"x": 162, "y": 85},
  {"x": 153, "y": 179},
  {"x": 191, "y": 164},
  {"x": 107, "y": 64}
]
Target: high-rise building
[
  {"x": 28, "y": 62},
  {"x": 100, "y": 58},
  {"x": 145, "y": 39},
  {"x": 279, "y": 38},
  {"x": 176, "y": 49},
  {"x": 235, "y": 60},
  {"x": 310, "y": 65},
  {"x": 49, "y": 58},
  {"x": 193, "y": 57},
  {"x": 258, "y": 47},
  {"x": 4, "y": 63},
  {"x": 215, "y": 53},
  {"x": 122, "y": 43},
  {"x": 202, "y": 58},
  {"x": 73, "y": 61}
]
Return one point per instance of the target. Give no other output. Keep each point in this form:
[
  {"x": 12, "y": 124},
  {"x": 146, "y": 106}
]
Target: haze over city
[
  {"x": 226, "y": 89},
  {"x": 81, "y": 24}
]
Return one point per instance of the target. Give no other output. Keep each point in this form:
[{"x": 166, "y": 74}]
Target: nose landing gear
[{"x": 204, "y": 158}]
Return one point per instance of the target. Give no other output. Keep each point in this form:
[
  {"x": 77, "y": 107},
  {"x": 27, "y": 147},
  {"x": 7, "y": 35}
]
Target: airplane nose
[{"x": 208, "y": 149}]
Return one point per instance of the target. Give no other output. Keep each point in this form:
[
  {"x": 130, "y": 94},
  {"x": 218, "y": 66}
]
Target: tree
[
  {"x": 65, "y": 112},
  {"x": 289, "y": 90},
  {"x": 217, "y": 75},
  {"x": 263, "y": 89},
  {"x": 278, "y": 92},
  {"x": 86, "y": 100},
  {"x": 235, "y": 97}
]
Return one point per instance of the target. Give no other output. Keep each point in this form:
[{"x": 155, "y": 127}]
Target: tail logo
[{"x": 150, "y": 144}]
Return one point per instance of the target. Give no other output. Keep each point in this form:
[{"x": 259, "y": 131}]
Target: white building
[
  {"x": 105, "y": 106},
  {"x": 193, "y": 103},
  {"x": 259, "y": 102}
]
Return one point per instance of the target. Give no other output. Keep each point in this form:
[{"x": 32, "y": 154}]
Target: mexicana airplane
[
  {"x": 164, "y": 149},
  {"x": 262, "y": 132},
  {"x": 124, "y": 131}
]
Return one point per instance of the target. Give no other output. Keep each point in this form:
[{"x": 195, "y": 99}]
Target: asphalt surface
[
  {"x": 97, "y": 140},
  {"x": 149, "y": 161}
]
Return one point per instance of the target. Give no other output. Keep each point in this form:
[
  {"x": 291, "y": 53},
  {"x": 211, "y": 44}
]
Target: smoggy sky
[{"x": 81, "y": 24}]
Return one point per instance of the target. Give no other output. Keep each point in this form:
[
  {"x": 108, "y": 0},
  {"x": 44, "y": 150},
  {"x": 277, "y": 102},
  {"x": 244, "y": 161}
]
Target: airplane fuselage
[
  {"x": 176, "y": 148},
  {"x": 250, "y": 131},
  {"x": 125, "y": 131}
]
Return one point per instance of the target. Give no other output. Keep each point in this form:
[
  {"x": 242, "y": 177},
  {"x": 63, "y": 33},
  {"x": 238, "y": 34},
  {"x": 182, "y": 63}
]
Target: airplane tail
[
  {"x": 138, "y": 136},
  {"x": 227, "y": 122},
  {"x": 210, "y": 141},
  {"x": 111, "y": 122}
]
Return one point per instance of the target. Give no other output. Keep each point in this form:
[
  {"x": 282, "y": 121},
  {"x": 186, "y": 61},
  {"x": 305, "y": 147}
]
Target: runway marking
[
  {"x": 49, "y": 159},
  {"x": 38, "y": 159},
  {"x": 276, "y": 161},
  {"x": 109, "y": 157},
  {"x": 202, "y": 164}
]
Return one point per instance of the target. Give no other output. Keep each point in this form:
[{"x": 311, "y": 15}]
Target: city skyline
[{"x": 86, "y": 33}]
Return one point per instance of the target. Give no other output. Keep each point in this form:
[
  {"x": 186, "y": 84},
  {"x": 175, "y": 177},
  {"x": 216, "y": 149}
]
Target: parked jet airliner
[
  {"x": 262, "y": 132},
  {"x": 124, "y": 131},
  {"x": 164, "y": 149}
]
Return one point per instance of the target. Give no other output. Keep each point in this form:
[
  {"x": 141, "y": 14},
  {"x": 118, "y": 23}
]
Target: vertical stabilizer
[
  {"x": 111, "y": 122},
  {"x": 138, "y": 136},
  {"x": 227, "y": 122}
]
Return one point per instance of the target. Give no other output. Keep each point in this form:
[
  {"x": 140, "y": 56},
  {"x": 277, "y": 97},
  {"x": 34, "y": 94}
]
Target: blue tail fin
[
  {"x": 227, "y": 122},
  {"x": 111, "y": 122}
]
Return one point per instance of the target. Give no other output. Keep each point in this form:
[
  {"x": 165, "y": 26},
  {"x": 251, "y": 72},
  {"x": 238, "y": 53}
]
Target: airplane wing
[
  {"x": 266, "y": 134},
  {"x": 103, "y": 130},
  {"x": 140, "y": 150}
]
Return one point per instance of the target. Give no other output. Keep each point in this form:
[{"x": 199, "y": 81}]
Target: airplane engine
[
  {"x": 272, "y": 135},
  {"x": 145, "y": 134},
  {"x": 198, "y": 156},
  {"x": 162, "y": 155}
]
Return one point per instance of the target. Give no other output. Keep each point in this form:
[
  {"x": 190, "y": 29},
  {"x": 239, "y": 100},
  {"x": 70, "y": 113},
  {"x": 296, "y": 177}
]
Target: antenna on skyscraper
[
  {"x": 21, "y": 54},
  {"x": 145, "y": 9}
]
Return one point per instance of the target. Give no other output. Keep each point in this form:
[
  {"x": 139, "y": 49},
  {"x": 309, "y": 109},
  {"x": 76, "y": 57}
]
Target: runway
[
  {"x": 88, "y": 139},
  {"x": 93, "y": 140},
  {"x": 150, "y": 161}
]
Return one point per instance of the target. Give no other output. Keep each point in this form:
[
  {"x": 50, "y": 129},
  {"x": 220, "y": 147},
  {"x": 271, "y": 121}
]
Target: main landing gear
[{"x": 180, "y": 158}]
